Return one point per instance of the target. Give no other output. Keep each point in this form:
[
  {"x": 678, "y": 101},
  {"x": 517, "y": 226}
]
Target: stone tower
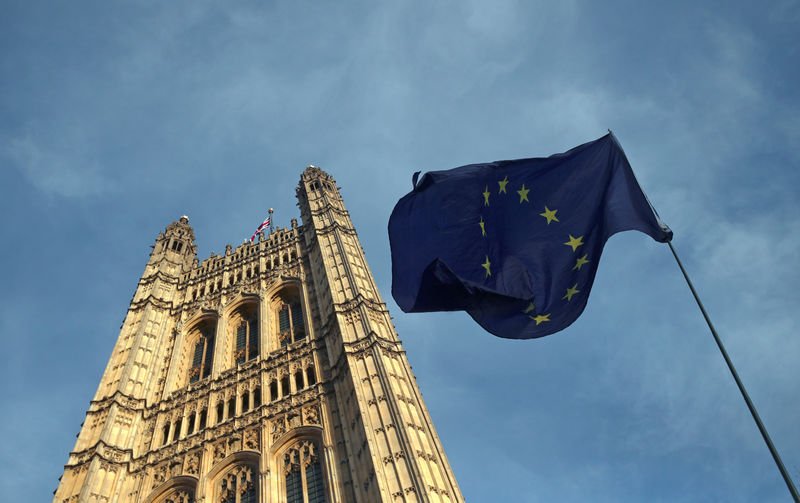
[{"x": 269, "y": 374}]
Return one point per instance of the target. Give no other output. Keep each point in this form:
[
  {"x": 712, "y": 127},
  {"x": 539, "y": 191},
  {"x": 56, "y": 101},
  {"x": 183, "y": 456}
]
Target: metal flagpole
[
  {"x": 746, "y": 397},
  {"x": 271, "y": 222}
]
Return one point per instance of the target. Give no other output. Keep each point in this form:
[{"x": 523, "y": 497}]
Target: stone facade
[{"x": 272, "y": 373}]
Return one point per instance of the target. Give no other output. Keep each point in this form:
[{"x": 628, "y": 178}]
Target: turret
[{"x": 174, "y": 246}]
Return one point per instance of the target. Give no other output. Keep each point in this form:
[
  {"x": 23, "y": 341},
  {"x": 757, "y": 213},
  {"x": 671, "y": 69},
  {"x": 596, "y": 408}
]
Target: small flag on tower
[
  {"x": 515, "y": 243},
  {"x": 261, "y": 227}
]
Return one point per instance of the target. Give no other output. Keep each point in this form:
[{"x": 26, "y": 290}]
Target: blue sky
[{"x": 117, "y": 119}]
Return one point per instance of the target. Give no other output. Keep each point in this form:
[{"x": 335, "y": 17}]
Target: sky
[{"x": 118, "y": 118}]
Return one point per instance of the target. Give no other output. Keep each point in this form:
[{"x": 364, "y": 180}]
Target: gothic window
[
  {"x": 232, "y": 407},
  {"x": 179, "y": 496},
  {"x": 303, "y": 474},
  {"x": 203, "y": 354},
  {"x": 311, "y": 377},
  {"x": 239, "y": 485},
  {"x": 203, "y": 417},
  {"x": 298, "y": 380},
  {"x": 166, "y": 434},
  {"x": 243, "y": 331},
  {"x": 245, "y": 402},
  {"x": 290, "y": 323},
  {"x": 257, "y": 397},
  {"x": 246, "y": 340},
  {"x": 177, "y": 433},
  {"x": 220, "y": 411},
  {"x": 273, "y": 390}
]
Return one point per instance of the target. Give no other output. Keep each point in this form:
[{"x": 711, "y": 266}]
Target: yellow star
[
  {"x": 579, "y": 263},
  {"x": 486, "y": 196},
  {"x": 523, "y": 194},
  {"x": 529, "y": 308},
  {"x": 540, "y": 318},
  {"x": 502, "y": 183},
  {"x": 486, "y": 265},
  {"x": 549, "y": 214},
  {"x": 483, "y": 227},
  {"x": 570, "y": 292},
  {"x": 574, "y": 242}
]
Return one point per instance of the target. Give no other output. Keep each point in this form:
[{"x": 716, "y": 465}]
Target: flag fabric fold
[
  {"x": 515, "y": 244},
  {"x": 261, "y": 227}
]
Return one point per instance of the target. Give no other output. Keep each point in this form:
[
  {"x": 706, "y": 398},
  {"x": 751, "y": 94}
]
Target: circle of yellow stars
[{"x": 550, "y": 216}]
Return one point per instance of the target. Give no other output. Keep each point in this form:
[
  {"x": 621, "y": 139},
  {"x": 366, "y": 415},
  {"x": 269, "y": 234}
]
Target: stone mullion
[
  {"x": 184, "y": 424},
  {"x": 220, "y": 345},
  {"x": 264, "y": 336}
]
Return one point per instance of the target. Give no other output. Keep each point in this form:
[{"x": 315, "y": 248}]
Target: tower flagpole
[
  {"x": 753, "y": 412},
  {"x": 271, "y": 221}
]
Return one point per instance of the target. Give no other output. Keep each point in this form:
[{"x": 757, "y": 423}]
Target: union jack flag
[{"x": 261, "y": 227}]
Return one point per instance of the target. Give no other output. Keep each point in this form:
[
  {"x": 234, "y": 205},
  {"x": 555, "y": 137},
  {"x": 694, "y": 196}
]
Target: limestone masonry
[{"x": 270, "y": 374}]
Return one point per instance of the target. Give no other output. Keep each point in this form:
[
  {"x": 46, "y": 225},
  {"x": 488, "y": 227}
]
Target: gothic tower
[{"x": 269, "y": 374}]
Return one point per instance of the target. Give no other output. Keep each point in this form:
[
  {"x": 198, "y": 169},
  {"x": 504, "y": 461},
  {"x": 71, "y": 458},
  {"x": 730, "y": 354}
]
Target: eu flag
[{"x": 515, "y": 243}]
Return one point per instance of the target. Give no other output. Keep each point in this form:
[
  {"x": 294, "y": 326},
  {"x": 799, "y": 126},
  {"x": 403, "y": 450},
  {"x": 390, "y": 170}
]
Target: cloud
[{"x": 62, "y": 168}]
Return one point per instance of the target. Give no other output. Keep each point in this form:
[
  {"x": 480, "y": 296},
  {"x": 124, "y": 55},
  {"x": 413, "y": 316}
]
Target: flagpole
[
  {"x": 271, "y": 221},
  {"x": 746, "y": 397}
]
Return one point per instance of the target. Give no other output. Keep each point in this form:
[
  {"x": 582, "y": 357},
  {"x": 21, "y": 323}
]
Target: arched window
[
  {"x": 245, "y": 402},
  {"x": 291, "y": 327},
  {"x": 246, "y": 340},
  {"x": 203, "y": 352},
  {"x": 177, "y": 432},
  {"x": 179, "y": 496},
  {"x": 244, "y": 329},
  {"x": 303, "y": 474},
  {"x": 239, "y": 485},
  {"x": 220, "y": 411}
]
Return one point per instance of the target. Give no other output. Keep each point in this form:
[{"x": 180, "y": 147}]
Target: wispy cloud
[{"x": 63, "y": 167}]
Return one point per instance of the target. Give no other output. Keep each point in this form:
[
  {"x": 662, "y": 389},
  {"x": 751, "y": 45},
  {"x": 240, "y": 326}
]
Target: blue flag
[{"x": 515, "y": 243}]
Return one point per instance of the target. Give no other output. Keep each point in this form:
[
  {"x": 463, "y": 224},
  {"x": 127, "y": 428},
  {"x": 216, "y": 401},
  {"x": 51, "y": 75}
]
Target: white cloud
[{"x": 62, "y": 168}]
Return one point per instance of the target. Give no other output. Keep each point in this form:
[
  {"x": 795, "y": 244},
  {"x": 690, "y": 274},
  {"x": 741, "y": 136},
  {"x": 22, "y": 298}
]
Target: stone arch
[
  {"x": 288, "y": 312},
  {"x": 174, "y": 487},
  {"x": 242, "y": 469},
  {"x": 298, "y": 460},
  {"x": 239, "y": 346},
  {"x": 199, "y": 338}
]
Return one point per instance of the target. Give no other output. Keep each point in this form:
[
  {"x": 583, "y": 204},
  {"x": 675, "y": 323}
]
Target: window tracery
[
  {"x": 238, "y": 485},
  {"x": 244, "y": 331},
  {"x": 303, "y": 474},
  {"x": 291, "y": 324},
  {"x": 180, "y": 496},
  {"x": 202, "y": 352}
]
